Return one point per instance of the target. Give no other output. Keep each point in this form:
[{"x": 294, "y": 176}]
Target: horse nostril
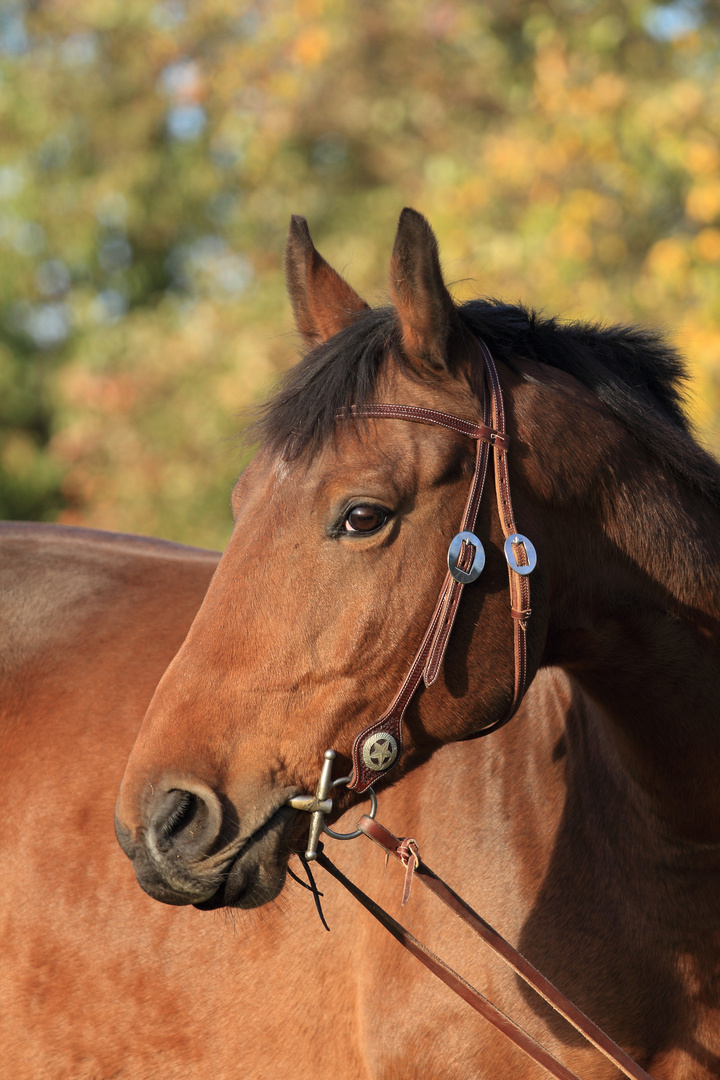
[
  {"x": 186, "y": 823},
  {"x": 184, "y": 812}
]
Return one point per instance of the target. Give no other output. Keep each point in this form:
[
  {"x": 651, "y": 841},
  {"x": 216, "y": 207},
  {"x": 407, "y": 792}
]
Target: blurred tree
[{"x": 567, "y": 151}]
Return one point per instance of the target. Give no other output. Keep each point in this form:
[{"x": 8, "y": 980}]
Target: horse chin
[{"x": 258, "y": 873}]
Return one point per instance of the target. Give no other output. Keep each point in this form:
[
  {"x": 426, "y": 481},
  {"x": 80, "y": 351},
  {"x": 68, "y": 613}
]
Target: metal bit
[{"x": 318, "y": 805}]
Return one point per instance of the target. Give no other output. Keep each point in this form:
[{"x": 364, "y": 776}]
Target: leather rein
[
  {"x": 407, "y": 853},
  {"x": 377, "y": 749}
]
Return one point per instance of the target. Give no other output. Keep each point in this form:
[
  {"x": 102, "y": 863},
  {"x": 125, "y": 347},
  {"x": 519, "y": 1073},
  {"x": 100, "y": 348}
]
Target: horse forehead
[
  {"x": 384, "y": 450},
  {"x": 394, "y": 453},
  {"x": 371, "y": 455},
  {"x": 404, "y": 450}
]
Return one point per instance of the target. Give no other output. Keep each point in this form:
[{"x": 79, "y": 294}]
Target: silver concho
[
  {"x": 380, "y": 751},
  {"x": 518, "y": 538},
  {"x": 465, "y": 576}
]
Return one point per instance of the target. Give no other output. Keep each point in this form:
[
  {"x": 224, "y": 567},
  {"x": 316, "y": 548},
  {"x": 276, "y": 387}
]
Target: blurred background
[{"x": 566, "y": 152}]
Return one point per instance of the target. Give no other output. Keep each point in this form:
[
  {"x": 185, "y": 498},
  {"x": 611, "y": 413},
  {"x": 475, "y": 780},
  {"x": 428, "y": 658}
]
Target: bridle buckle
[
  {"x": 464, "y": 548},
  {"x": 530, "y": 554}
]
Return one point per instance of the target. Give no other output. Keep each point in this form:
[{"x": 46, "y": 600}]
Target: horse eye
[{"x": 365, "y": 519}]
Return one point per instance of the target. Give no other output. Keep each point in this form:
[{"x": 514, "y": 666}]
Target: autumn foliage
[{"x": 567, "y": 154}]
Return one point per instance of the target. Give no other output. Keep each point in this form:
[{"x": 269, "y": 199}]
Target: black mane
[{"x": 635, "y": 372}]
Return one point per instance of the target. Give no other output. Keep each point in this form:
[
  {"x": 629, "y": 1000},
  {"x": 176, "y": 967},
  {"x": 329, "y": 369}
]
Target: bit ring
[{"x": 356, "y": 832}]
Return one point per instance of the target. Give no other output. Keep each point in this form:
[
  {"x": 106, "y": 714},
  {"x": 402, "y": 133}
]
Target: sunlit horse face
[{"x": 316, "y": 610}]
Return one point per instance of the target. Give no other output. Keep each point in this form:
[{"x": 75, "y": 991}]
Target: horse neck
[{"x": 634, "y": 610}]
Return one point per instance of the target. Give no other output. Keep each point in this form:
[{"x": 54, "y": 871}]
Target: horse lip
[
  {"x": 273, "y": 827},
  {"x": 277, "y": 815}
]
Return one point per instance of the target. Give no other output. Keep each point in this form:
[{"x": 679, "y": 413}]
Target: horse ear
[
  {"x": 424, "y": 305},
  {"x": 322, "y": 301}
]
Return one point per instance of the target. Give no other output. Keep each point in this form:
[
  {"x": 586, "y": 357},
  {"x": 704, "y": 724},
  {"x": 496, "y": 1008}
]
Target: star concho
[{"x": 379, "y": 751}]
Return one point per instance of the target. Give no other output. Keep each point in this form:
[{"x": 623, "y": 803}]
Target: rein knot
[{"x": 409, "y": 855}]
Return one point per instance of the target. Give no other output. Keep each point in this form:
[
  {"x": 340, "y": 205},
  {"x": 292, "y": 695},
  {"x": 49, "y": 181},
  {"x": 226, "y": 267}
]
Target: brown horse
[{"x": 586, "y": 829}]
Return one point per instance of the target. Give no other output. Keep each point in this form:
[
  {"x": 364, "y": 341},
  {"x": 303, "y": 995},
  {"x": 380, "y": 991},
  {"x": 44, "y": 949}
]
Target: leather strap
[
  {"x": 519, "y": 585},
  {"x": 406, "y": 852},
  {"x": 428, "y": 660},
  {"x": 426, "y": 416},
  {"x": 468, "y": 993}
]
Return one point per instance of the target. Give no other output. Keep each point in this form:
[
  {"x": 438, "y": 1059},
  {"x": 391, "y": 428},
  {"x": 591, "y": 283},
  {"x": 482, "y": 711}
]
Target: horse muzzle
[{"x": 191, "y": 849}]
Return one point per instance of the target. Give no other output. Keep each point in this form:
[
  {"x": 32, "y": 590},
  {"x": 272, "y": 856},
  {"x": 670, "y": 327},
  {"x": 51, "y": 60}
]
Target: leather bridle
[{"x": 377, "y": 749}]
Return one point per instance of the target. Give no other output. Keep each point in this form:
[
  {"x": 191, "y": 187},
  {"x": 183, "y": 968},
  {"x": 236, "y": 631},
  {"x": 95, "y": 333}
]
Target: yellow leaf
[
  {"x": 703, "y": 201},
  {"x": 311, "y": 46},
  {"x": 667, "y": 258},
  {"x": 702, "y": 158},
  {"x": 707, "y": 245}
]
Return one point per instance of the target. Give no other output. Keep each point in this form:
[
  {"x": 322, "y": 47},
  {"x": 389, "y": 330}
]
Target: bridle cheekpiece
[{"x": 378, "y": 748}]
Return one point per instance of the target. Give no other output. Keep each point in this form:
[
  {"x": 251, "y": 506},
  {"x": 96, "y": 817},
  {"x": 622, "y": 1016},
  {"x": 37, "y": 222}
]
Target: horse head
[{"x": 330, "y": 579}]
